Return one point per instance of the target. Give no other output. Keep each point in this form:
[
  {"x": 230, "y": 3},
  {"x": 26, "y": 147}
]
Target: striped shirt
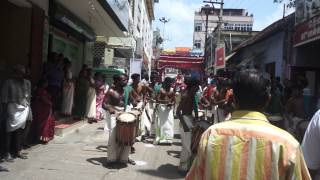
[{"x": 248, "y": 147}]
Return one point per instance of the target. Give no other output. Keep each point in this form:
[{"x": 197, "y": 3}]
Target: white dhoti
[
  {"x": 147, "y": 120},
  {"x": 164, "y": 124},
  {"x": 186, "y": 154},
  {"x": 116, "y": 152},
  {"x": 67, "y": 98},
  {"x": 17, "y": 116},
  {"x": 154, "y": 117},
  {"x": 91, "y": 103}
]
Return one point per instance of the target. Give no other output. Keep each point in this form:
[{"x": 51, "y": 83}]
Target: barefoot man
[
  {"x": 184, "y": 112},
  {"x": 137, "y": 92},
  {"x": 165, "y": 120},
  {"x": 116, "y": 101}
]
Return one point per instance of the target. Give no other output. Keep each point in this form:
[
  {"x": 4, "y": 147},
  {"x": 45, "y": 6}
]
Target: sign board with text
[
  {"x": 220, "y": 57},
  {"x": 307, "y": 31}
]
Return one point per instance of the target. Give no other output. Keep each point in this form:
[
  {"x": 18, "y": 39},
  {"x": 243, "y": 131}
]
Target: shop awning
[
  {"x": 230, "y": 56},
  {"x": 246, "y": 61}
]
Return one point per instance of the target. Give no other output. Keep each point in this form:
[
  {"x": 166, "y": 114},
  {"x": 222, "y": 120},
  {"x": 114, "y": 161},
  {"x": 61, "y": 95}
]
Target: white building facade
[
  {"x": 142, "y": 12},
  {"x": 236, "y": 20}
]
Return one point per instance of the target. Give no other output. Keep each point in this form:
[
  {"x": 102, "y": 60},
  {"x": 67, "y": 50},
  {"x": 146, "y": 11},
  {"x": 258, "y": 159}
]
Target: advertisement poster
[
  {"x": 220, "y": 58},
  {"x": 135, "y": 66}
]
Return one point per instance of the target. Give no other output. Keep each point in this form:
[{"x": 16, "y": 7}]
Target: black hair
[
  {"x": 251, "y": 90},
  {"x": 97, "y": 74},
  {"x": 135, "y": 76},
  {"x": 146, "y": 76},
  {"x": 167, "y": 81},
  {"x": 116, "y": 78},
  {"x": 192, "y": 82}
]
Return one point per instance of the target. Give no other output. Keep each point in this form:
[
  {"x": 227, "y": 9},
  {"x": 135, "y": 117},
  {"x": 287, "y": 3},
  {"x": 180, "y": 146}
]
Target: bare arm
[
  {"x": 106, "y": 103},
  {"x": 179, "y": 114}
]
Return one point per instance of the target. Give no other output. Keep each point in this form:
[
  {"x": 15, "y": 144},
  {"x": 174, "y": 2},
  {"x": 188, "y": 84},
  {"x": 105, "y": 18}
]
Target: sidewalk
[{"x": 82, "y": 156}]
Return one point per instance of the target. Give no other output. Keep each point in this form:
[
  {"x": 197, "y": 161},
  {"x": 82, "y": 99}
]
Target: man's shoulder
[{"x": 260, "y": 130}]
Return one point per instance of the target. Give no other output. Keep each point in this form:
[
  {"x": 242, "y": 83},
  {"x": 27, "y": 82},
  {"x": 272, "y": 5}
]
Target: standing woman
[
  {"x": 91, "y": 98},
  {"x": 82, "y": 86},
  {"x": 100, "y": 93},
  {"x": 68, "y": 90},
  {"x": 43, "y": 118}
]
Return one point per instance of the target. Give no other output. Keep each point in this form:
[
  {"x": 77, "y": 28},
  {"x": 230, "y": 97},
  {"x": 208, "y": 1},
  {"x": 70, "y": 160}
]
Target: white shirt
[{"x": 311, "y": 143}]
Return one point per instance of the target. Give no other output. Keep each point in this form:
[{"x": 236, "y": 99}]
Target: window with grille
[
  {"x": 198, "y": 27},
  {"x": 197, "y": 44}
]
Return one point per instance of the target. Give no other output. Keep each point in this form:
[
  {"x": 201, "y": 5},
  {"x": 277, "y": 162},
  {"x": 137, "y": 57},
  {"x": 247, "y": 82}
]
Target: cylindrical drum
[
  {"x": 126, "y": 129},
  {"x": 200, "y": 127}
]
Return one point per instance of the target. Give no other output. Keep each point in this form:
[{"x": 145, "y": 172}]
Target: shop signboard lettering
[{"x": 307, "y": 31}]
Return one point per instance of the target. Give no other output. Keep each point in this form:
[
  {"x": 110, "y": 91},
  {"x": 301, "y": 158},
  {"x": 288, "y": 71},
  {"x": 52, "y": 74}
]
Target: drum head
[
  {"x": 126, "y": 117},
  {"x": 200, "y": 113},
  {"x": 135, "y": 112}
]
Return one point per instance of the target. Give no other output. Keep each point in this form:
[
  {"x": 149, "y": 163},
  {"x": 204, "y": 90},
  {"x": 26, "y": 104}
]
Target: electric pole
[
  {"x": 164, "y": 20},
  {"x": 219, "y": 26},
  {"x": 220, "y": 22},
  {"x": 207, "y": 10}
]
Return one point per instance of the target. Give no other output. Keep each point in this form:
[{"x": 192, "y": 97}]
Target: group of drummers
[{"x": 146, "y": 109}]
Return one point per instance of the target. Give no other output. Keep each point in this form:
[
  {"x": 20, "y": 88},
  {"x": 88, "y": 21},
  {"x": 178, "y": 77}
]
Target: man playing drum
[
  {"x": 116, "y": 101},
  {"x": 149, "y": 113},
  {"x": 137, "y": 92},
  {"x": 165, "y": 120},
  {"x": 184, "y": 112}
]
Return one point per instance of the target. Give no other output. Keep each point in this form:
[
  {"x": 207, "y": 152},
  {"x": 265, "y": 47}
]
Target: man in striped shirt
[{"x": 248, "y": 146}]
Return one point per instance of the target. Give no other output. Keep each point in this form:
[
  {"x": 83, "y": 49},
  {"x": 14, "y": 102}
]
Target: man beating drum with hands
[{"x": 116, "y": 101}]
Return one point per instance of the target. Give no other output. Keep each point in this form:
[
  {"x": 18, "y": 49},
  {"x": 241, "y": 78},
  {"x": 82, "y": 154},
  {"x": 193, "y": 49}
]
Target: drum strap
[{"x": 126, "y": 96}]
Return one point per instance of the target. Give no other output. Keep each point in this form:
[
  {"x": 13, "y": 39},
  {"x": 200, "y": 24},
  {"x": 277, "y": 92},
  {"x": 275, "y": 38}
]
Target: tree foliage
[{"x": 291, "y": 3}]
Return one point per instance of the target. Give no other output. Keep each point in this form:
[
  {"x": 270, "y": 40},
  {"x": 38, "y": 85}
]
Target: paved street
[{"x": 82, "y": 156}]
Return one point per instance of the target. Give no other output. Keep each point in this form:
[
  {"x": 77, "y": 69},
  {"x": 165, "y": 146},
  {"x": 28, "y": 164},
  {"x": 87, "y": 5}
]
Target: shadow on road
[
  {"x": 166, "y": 171},
  {"x": 175, "y": 154},
  {"x": 102, "y": 161},
  {"x": 3, "y": 169},
  {"x": 177, "y": 143},
  {"x": 102, "y": 148}
]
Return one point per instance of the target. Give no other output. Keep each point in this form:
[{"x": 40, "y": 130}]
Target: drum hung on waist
[
  {"x": 126, "y": 117},
  {"x": 126, "y": 129},
  {"x": 200, "y": 127},
  {"x": 135, "y": 112},
  {"x": 201, "y": 114}
]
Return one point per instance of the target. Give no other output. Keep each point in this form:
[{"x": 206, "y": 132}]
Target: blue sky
[{"x": 181, "y": 12}]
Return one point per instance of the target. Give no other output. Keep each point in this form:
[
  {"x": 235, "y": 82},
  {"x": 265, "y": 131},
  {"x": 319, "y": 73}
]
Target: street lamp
[{"x": 164, "y": 20}]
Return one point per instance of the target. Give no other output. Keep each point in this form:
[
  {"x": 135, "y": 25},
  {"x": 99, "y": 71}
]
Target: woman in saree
[
  {"x": 91, "y": 98},
  {"x": 68, "y": 90},
  {"x": 80, "y": 102},
  {"x": 100, "y": 93},
  {"x": 43, "y": 119}
]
